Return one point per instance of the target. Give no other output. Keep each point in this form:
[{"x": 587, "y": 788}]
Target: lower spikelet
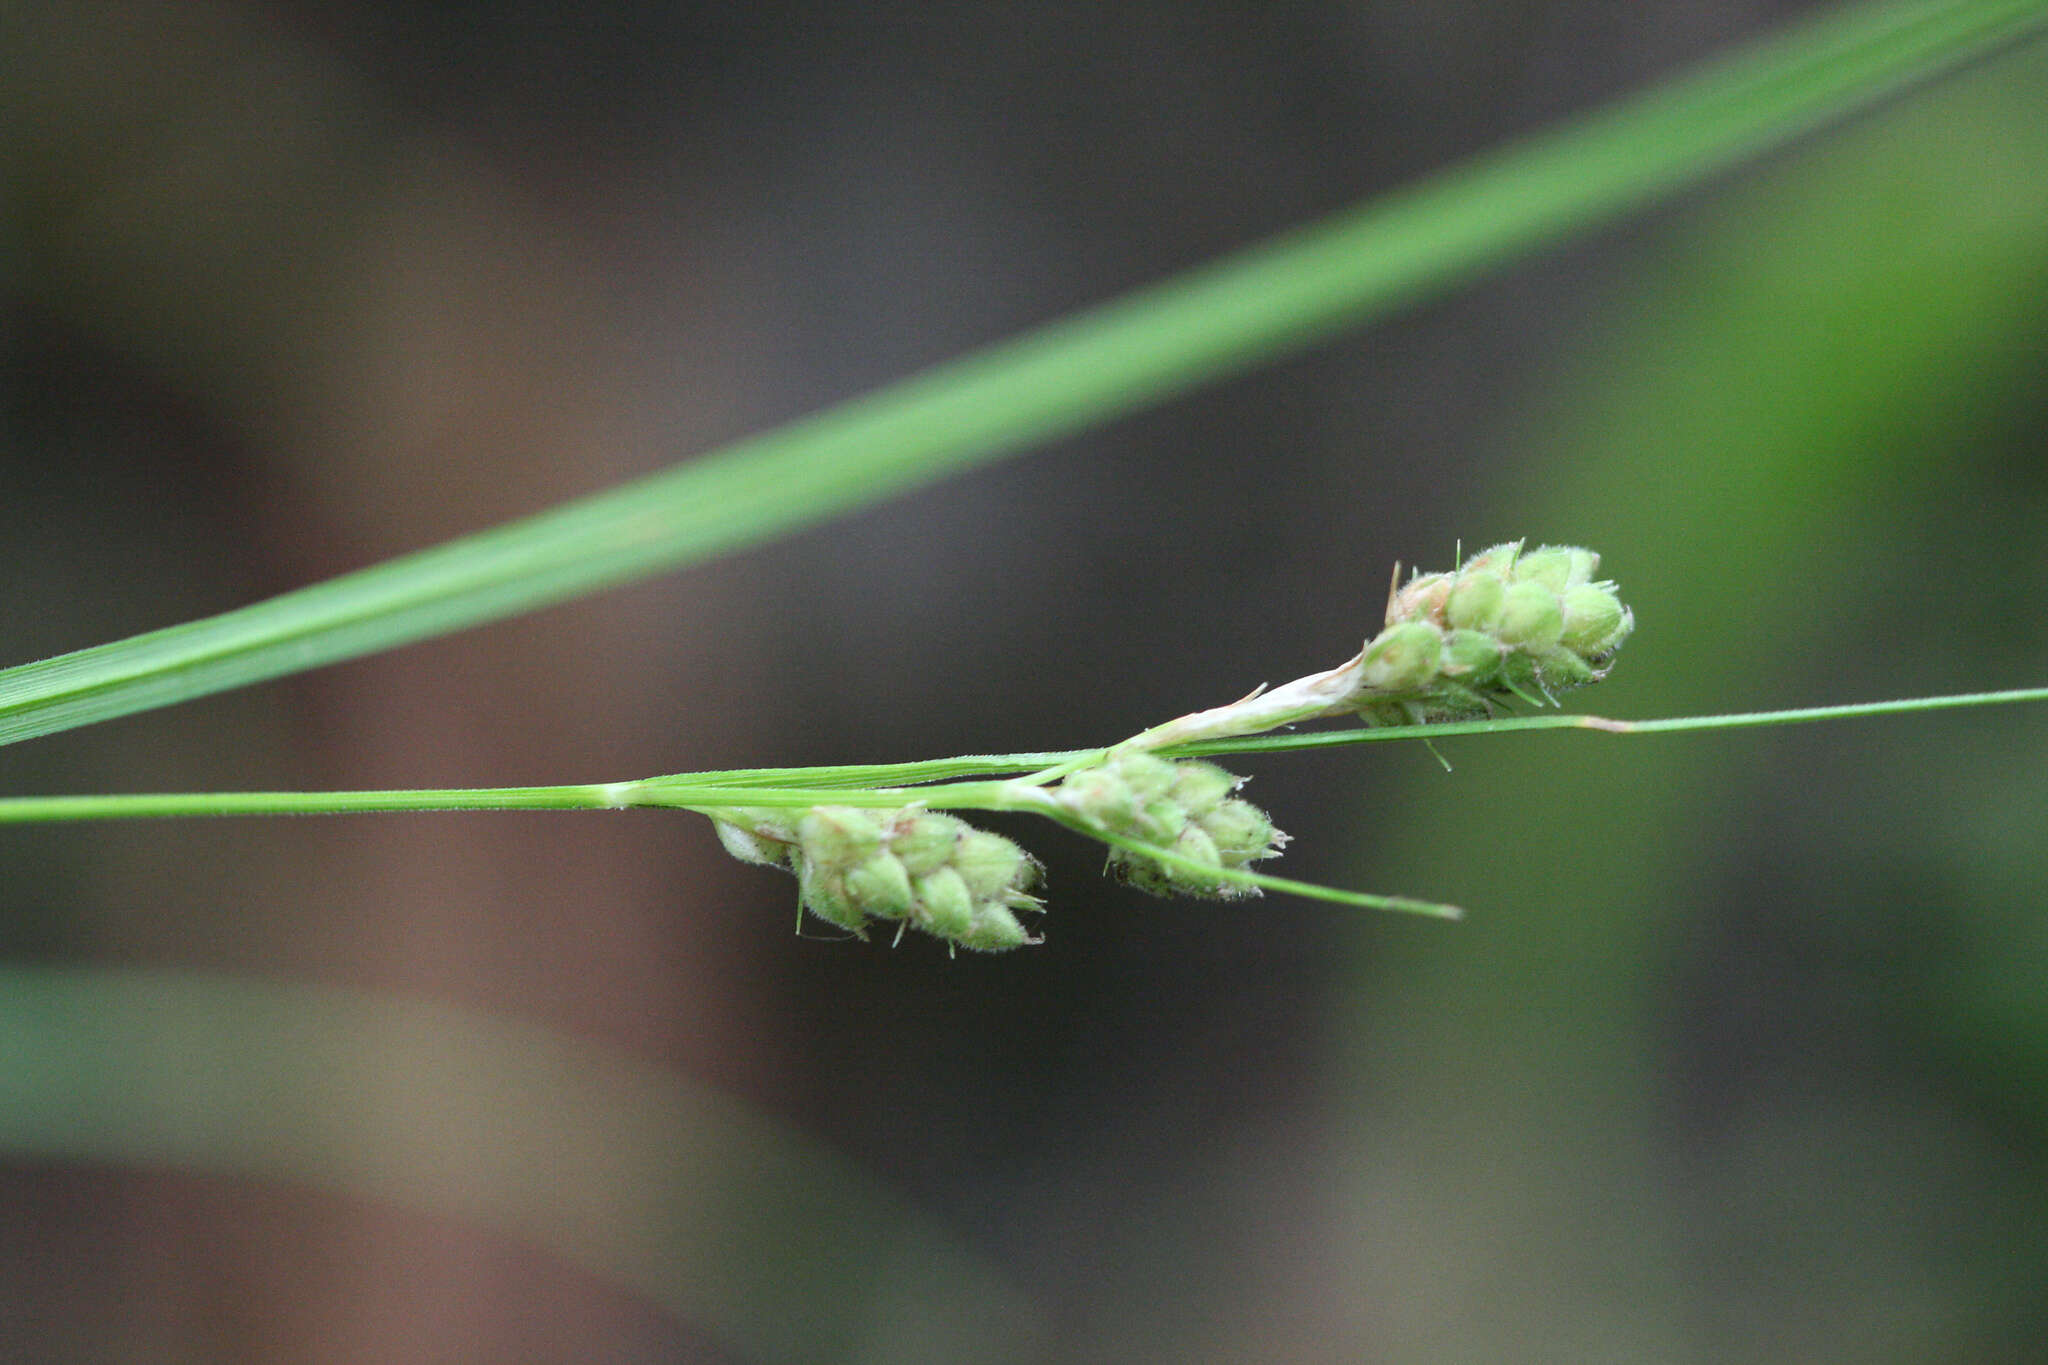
[
  {"x": 1181, "y": 807},
  {"x": 926, "y": 870}
]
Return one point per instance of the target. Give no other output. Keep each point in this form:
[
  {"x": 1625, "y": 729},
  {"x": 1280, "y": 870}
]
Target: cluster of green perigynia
[
  {"x": 1507, "y": 622},
  {"x": 921, "y": 868},
  {"x": 1184, "y": 807}
]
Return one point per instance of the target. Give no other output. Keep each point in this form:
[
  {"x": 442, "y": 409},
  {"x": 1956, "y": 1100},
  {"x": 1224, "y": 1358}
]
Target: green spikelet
[
  {"x": 1507, "y": 624},
  {"x": 923, "y": 869},
  {"x": 1184, "y": 807}
]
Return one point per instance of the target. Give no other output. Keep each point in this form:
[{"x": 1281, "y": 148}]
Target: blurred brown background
[{"x": 1743, "y": 1052}]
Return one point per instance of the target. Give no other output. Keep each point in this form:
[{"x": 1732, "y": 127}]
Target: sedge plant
[
  {"x": 887, "y": 849},
  {"x": 879, "y": 843},
  {"x": 1507, "y": 625}
]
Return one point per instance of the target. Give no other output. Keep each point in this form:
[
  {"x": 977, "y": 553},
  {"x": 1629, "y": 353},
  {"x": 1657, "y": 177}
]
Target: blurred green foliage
[{"x": 1745, "y": 1055}]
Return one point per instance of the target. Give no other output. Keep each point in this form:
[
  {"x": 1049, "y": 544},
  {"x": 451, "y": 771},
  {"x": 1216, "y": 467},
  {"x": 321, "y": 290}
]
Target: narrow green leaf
[
  {"x": 1730, "y": 720},
  {"x": 1244, "y": 876},
  {"x": 1109, "y": 360}
]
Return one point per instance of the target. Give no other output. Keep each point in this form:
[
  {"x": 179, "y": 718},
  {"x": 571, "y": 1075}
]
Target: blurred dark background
[{"x": 1743, "y": 1052}]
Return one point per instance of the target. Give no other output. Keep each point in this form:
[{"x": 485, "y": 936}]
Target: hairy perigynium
[{"x": 1507, "y": 624}]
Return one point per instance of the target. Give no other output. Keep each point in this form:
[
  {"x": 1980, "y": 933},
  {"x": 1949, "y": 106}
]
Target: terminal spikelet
[
  {"x": 1184, "y": 807},
  {"x": 1508, "y": 623}
]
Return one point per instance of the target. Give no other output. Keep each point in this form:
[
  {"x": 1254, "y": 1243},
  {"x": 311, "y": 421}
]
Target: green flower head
[
  {"x": 1184, "y": 808},
  {"x": 1508, "y": 623},
  {"x": 922, "y": 869}
]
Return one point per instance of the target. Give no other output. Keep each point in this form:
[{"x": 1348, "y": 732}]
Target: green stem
[
  {"x": 828, "y": 777},
  {"x": 146, "y": 805},
  {"x": 674, "y": 794},
  {"x": 834, "y": 785},
  {"x": 663, "y": 793}
]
